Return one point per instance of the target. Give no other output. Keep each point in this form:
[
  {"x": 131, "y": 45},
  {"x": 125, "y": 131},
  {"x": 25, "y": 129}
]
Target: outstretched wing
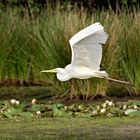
[{"x": 86, "y": 46}]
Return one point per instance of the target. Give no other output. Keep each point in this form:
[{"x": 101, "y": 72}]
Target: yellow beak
[{"x": 50, "y": 71}]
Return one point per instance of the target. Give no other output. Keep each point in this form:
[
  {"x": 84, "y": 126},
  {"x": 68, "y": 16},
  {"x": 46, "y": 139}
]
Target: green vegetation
[
  {"x": 14, "y": 109},
  {"x": 29, "y": 45}
]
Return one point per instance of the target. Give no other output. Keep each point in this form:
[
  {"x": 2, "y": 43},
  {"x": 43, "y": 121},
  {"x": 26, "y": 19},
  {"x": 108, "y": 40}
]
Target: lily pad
[
  {"x": 131, "y": 112},
  {"x": 136, "y": 103}
]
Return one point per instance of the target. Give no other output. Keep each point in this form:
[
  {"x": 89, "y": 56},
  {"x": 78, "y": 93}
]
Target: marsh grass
[
  {"x": 131, "y": 53},
  {"x": 28, "y": 46}
]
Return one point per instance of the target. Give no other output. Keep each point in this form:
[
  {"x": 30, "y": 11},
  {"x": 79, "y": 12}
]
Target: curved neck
[{"x": 62, "y": 74}]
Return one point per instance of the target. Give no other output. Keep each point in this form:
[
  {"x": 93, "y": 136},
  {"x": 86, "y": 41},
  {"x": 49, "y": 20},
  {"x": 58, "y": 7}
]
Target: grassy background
[{"x": 29, "y": 45}]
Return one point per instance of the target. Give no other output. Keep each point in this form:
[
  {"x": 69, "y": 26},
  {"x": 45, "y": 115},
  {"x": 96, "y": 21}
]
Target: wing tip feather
[{"x": 97, "y": 26}]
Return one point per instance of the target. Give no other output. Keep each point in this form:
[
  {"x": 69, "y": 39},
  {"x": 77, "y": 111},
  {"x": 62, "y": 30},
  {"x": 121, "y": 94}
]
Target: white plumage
[
  {"x": 86, "y": 46},
  {"x": 86, "y": 54}
]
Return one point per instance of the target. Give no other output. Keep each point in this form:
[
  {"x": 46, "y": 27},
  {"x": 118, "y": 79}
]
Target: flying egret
[{"x": 86, "y": 55}]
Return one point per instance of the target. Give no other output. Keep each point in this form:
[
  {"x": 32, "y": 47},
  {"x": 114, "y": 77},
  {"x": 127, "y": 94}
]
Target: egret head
[{"x": 61, "y": 73}]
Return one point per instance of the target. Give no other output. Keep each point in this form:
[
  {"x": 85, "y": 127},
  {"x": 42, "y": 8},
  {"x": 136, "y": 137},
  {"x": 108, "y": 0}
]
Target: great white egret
[{"x": 86, "y": 55}]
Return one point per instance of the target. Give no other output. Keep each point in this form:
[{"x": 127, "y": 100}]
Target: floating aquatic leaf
[
  {"x": 136, "y": 103},
  {"x": 15, "y": 110},
  {"x": 116, "y": 111},
  {"x": 68, "y": 114},
  {"x": 57, "y": 112},
  {"x": 35, "y": 107},
  {"x": 136, "y": 113},
  {"x": 26, "y": 114},
  {"x": 59, "y": 105},
  {"x": 6, "y": 114},
  {"x": 130, "y": 111}
]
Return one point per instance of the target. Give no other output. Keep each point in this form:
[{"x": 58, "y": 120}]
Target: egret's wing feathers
[
  {"x": 86, "y": 46},
  {"x": 87, "y": 55},
  {"x": 90, "y": 30}
]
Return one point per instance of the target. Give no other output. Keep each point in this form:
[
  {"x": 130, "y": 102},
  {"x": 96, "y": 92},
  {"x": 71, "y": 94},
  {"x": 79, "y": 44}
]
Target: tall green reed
[{"x": 130, "y": 52}]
